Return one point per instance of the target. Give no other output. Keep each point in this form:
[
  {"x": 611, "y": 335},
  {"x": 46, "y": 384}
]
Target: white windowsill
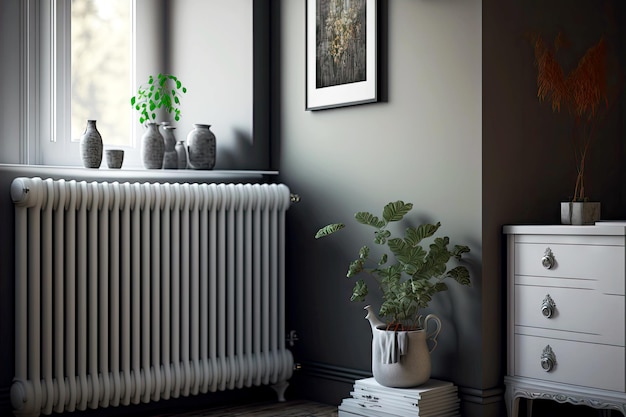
[{"x": 127, "y": 174}]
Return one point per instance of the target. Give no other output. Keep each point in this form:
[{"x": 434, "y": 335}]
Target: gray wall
[
  {"x": 210, "y": 47},
  {"x": 423, "y": 146},
  {"x": 10, "y": 80}
]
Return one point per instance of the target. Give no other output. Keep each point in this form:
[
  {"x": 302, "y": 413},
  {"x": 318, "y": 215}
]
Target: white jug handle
[{"x": 432, "y": 335}]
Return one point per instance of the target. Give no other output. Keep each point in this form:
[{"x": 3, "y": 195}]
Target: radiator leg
[{"x": 280, "y": 388}]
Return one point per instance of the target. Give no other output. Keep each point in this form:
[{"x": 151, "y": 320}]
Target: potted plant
[
  {"x": 408, "y": 280},
  {"x": 160, "y": 92},
  {"x": 584, "y": 92}
]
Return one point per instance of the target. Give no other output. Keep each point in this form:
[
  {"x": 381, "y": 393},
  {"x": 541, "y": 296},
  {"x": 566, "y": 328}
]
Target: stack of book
[{"x": 432, "y": 399}]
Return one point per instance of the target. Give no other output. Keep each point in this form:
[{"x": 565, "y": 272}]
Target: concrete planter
[{"x": 580, "y": 213}]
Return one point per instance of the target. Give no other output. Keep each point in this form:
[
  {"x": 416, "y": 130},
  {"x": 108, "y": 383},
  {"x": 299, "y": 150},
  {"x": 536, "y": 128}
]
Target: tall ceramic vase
[
  {"x": 91, "y": 146},
  {"x": 181, "y": 153},
  {"x": 152, "y": 147},
  {"x": 170, "y": 157},
  {"x": 401, "y": 359},
  {"x": 201, "y": 147}
]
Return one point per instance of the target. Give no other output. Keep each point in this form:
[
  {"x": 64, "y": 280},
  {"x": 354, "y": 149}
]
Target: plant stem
[{"x": 587, "y": 131}]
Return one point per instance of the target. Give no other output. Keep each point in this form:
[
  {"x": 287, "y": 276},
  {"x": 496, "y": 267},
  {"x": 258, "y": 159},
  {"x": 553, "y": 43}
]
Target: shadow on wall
[{"x": 238, "y": 153}]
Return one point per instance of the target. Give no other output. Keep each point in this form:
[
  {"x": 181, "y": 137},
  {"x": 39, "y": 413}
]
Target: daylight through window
[{"x": 101, "y": 64}]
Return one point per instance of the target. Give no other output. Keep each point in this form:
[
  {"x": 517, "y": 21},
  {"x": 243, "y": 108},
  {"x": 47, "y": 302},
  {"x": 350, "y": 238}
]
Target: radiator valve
[{"x": 292, "y": 337}]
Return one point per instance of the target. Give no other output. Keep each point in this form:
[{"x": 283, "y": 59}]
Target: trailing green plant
[
  {"x": 408, "y": 283},
  {"x": 160, "y": 92}
]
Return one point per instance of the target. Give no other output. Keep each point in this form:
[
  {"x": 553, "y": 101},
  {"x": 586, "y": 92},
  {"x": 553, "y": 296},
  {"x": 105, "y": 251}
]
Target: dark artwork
[{"x": 340, "y": 42}]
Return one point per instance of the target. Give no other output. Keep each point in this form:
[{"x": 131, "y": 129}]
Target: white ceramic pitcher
[{"x": 401, "y": 359}]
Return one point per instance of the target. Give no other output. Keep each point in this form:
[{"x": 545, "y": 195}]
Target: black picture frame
[{"x": 342, "y": 53}]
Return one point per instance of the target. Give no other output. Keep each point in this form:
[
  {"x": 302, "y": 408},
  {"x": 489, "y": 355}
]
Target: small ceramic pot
[{"x": 115, "y": 158}]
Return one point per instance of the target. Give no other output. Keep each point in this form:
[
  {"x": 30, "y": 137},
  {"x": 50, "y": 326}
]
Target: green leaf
[
  {"x": 414, "y": 235},
  {"x": 329, "y": 229},
  {"x": 360, "y": 291},
  {"x": 395, "y": 211},
  {"x": 178, "y": 84},
  {"x": 390, "y": 275},
  {"x": 397, "y": 245},
  {"x": 132, "y": 101},
  {"x": 381, "y": 236},
  {"x": 388, "y": 308},
  {"x": 184, "y": 89},
  {"x": 459, "y": 250},
  {"x": 369, "y": 219},
  {"x": 364, "y": 253},
  {"x": 355, "y": 268},
  {"x": 461, "y": 275}
]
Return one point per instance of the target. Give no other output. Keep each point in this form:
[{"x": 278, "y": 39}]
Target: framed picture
[{"x": 341, "y": 53}]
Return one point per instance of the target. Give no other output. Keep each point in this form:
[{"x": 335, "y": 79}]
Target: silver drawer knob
[
  {"x": 548, "y": 359},
  {"x": 548, "y": 260},
  {"x": 548, "y": 306}
]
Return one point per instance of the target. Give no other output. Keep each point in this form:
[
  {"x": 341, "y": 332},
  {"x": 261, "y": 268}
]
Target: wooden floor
[{"x": 292, "y": 408}]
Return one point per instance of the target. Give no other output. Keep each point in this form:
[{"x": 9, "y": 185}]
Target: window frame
[
  {"x": 152, "y": 26},
  {"x": 45, "y": 40}
]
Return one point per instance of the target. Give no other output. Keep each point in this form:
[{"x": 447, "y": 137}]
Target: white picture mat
[{"x": 344, "y": 94}]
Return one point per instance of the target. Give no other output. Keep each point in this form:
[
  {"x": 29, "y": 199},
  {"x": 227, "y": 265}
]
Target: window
[
  {"x": 162, "y": 40},
  {"x": 80, "y": 64},
  {"x": 101, "y": 45}
]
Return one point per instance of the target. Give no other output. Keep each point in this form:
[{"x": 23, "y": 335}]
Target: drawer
[
  {"x": 602, "y": 323},
  {"x": 603, "y": 265},
  {"x": 577, "y": 363}
]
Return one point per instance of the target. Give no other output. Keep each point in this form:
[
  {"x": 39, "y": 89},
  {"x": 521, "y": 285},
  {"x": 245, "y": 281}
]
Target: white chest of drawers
[{"x": 566, "y": 315}]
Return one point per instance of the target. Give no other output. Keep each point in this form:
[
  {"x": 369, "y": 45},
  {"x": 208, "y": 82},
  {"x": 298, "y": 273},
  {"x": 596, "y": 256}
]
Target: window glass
[{"x": 101, "y": 64}]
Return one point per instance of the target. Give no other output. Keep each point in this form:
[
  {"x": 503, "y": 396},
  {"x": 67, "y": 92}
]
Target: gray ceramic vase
[
  {"x": 91, "y": 146},
  {"x": 201, "y": 147},
  {"x": 170, "y": 158},
  {"x": 181, "y": 153},
  {"x": 152, "y": 147}
]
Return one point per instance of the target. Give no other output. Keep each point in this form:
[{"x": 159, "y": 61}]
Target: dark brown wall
[{"x": 527, "y": 163}]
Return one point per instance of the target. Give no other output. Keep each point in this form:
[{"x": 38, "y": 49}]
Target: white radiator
[{"x": 129, "y": 293}]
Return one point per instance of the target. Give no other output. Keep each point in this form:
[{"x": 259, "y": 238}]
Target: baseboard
[
  {"x": 349, "y": 375},
  {"x": 332, "y": 372},
  {"x": 5, "y": 401},
  {"x": 481, "y": 396}
]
